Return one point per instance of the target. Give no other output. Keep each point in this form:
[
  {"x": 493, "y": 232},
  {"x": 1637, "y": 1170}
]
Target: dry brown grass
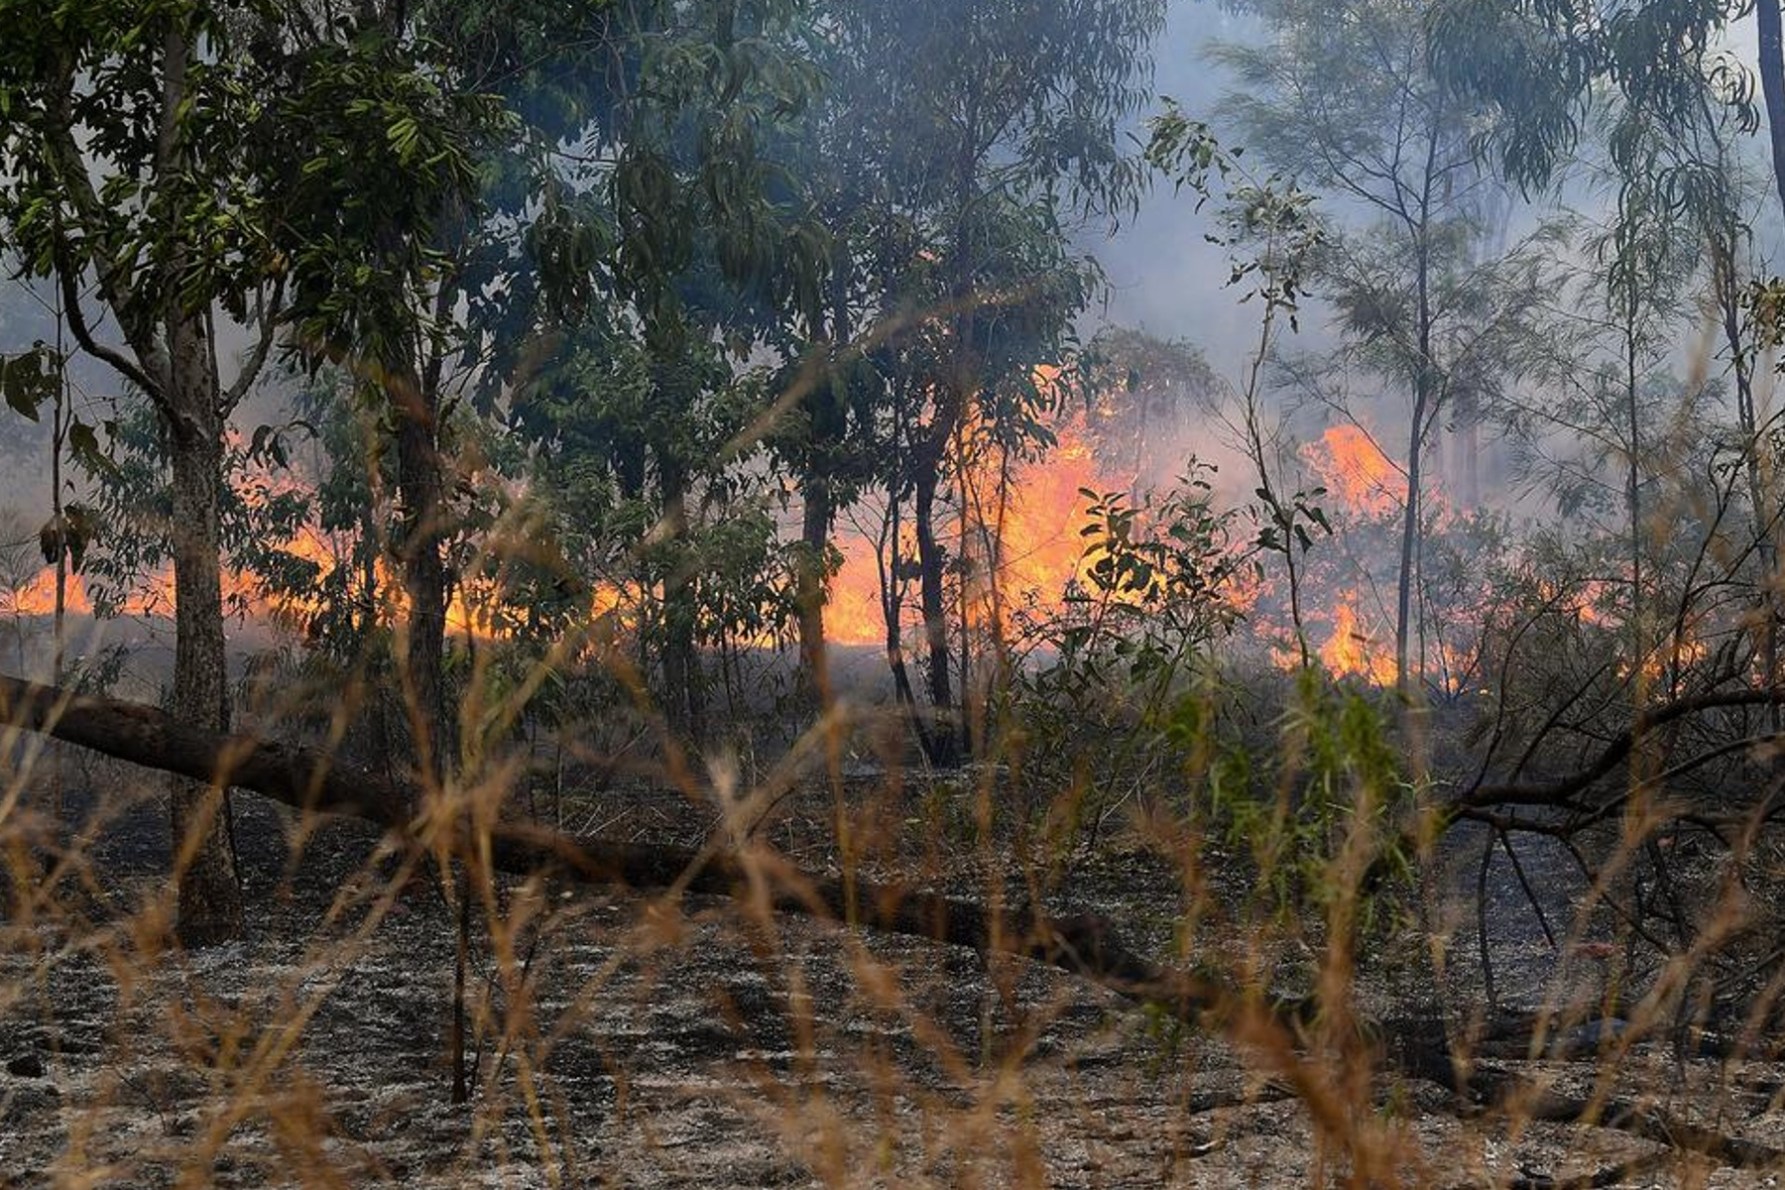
[{"x": 651, "y": 1038}]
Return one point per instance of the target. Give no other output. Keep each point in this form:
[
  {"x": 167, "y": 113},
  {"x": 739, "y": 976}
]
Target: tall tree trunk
[
  {"x": 890, "y": 560},
  {"x": 59, "y": 427},
  {"x": 414, "y": 397},
  {"x": 944, "y": 739},
  {"x": 422, "y": 492},
  {"x": 809, "y": 594},
  {"x": 1409, "y": 544},
  {"x": 209, "y": 897},
  {"x": 1423, "y": 401},
  {"x": 1633, "y": 477},
  {"x": 827, "y": 406},
  {"x": 1772, "y": 82},
  {"x": 685, "y": 700},
  {"x": 1428, "y": 395}
]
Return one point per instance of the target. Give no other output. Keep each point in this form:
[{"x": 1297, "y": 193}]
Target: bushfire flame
[
  {"x": 1026, "y": 516},
  {"x": 1350, "y": 651},
  {"x": 1355, "y": 471},
  {"x": 1031, "y": 522}
]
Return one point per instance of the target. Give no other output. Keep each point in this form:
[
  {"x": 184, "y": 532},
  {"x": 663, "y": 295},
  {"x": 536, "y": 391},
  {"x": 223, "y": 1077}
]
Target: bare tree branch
[
  {"x": 268, "y": 307},
  {"x": 116, "y": 360},
  {"x": 1561, "y": 791}
]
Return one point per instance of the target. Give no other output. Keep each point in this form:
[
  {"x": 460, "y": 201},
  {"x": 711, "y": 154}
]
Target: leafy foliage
[
  {"x": 1537, "y": 66},
  {"x": 1159, "y": 593}
]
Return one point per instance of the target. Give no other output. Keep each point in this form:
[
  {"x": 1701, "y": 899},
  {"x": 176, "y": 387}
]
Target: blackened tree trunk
[
  {"x": 1410, "y": 534},
  {"x": 810, "y": 586},
  {"x": 891, "y": 560},
  {"x": 1633, "y": 468},
  {"x": 827, "y": 428},
  {"x": 943, "y": 740},
  {"x": 684, "y": 698}
]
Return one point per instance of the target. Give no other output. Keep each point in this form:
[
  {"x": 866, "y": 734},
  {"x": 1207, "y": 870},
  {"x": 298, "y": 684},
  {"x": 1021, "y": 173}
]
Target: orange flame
[
  {"x": 1355, "y": 471},
  {"x": 1028, "y": 519},
  {"x": 1350, "y": 652}
]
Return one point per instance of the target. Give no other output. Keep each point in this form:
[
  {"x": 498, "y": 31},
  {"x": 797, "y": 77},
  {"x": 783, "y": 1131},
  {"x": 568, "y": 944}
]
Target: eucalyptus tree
[
  {"x": 503, "y": 173},
  {"x": 647, "y": 461},
  {"x": 1537, "y": 71},
  {"x": 1658, "y": 82},
  {"x": 373, "y": 159},
  {"x": 123, "y": 133},
  {"x": 830, "y": 436},
  {"x": 455, "y": 185},
  {"x": 717, "y": 252},
  {"x": 1632, "y": 295},
  {"x": 983, "y": 131},
  {"x": 185, "y": 168},
  {"x": 1340, "y": 99},
  {"x": 637, "y": 241}
]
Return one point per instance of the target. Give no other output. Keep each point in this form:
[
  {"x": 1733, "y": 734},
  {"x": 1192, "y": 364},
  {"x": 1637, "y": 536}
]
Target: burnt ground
[{"x": 624, "y": 1041}]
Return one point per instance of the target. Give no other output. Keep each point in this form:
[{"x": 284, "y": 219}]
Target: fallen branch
[{"x": 312, "y": 780}]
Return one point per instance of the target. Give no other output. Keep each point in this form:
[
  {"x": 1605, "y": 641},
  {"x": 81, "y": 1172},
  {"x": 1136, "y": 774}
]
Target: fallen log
[
  {"x": 311, "y": 780},
  {"x": 1085, "y": 945}
]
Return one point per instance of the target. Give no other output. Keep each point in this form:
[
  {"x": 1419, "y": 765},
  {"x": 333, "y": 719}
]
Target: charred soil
[{"x": 622, "y": 1038}]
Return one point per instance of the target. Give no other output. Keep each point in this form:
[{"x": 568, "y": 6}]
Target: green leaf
[
  {"x": 83, "y": 443},
  {"x": 29, "y": 380}
]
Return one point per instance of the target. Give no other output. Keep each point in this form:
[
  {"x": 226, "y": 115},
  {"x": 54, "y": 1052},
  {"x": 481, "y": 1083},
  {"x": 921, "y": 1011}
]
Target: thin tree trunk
[
  {"x": 1284, "y": 515},
  {"x": 58, "y": 438},
  {"x": 683, "y": 694},
  {"x": 809, "y": 597},
  {"x": 944, "y": 739},
  {"x": 1410, "y": 527},
  {"x": 1633, "y": 480},
  {"x": 1427, "y": 396},
  {"x": 827, "y": 408},
  {"x": 1409, "y": 544},
  {"x": 892, "y": 605}
]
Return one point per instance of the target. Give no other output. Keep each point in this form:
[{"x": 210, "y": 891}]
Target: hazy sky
[{"x": 1164, "y": 278}]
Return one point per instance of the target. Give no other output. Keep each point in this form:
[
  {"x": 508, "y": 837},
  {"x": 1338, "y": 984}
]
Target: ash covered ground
[{"x": 622, "y": 1041}]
